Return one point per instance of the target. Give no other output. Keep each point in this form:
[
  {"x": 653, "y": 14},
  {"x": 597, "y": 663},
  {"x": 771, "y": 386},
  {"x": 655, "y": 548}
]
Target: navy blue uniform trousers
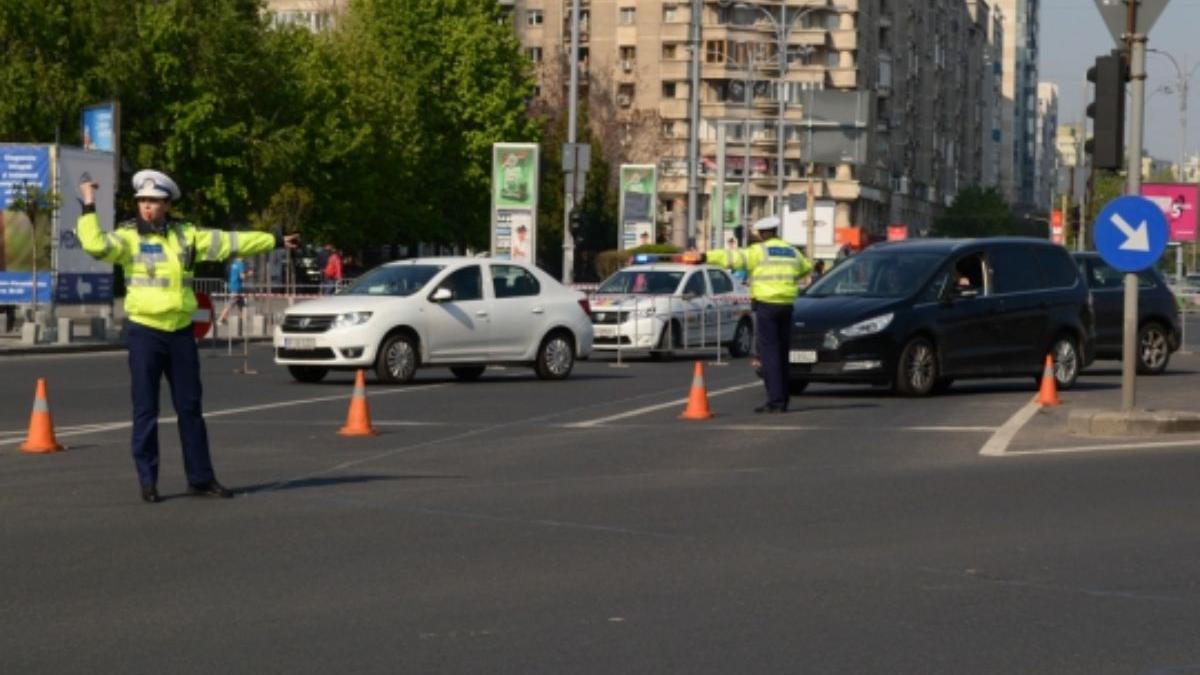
[
  {"x": 774, "y": 343},
  {"x": 152, "y": 354}
]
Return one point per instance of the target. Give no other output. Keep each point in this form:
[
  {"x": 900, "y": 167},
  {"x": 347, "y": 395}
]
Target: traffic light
[
  {"x": 1107, "y": 110},
  {"x": 576, "y": 222}
]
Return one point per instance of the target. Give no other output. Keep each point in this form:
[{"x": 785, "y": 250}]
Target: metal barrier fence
[{"x": 1188, "y": 300}]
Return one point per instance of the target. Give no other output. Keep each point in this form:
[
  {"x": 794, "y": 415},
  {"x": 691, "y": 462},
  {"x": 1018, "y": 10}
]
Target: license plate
[
  {"x": 605, "y": 331},
  {"x": 803, "y": 356},
  {"x": 303, "y": 343}
]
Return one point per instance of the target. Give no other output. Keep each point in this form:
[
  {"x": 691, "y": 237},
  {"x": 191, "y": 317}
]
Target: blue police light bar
[{"x": 644, "y": 258}]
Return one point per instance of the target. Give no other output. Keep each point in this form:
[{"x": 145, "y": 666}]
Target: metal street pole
[
  {"x": 1133, "y": 186},
  {"x": 748, "y": 93},
  {"x": 693, "y": 125},
  {"x": 572, "y": 173}
]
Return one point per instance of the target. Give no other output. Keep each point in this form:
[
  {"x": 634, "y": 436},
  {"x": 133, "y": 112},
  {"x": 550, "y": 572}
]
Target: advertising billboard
[
  {"x": 638, "y": 205},
  {"x": 81, "y": 278},
  {"x": 1178, "y": 204},
  {"x": 514, "y": 201},
  {"x": 723, "y": 229},
  {"x": 24, "y": 245},
  {"x": 100, "y": 127}
]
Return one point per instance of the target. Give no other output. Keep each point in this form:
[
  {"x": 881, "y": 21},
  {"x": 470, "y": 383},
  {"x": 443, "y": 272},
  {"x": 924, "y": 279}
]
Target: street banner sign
[
  {"x": 1131, "y": 233},
  {"x": 1178, "y": 202},
  {"x": 514, "y": 201},
  {"x": 897, "y": 232},
  {"x": 1115, "y": 14},
  {"x": 638, "y": 205}
]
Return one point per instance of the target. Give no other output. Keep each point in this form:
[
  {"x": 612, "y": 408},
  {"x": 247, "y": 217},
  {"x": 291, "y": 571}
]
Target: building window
[
  {"x": 534, "y": 17},
  {"x": 833, "y": 59},
  {"x": 628, "y": 16},
  {"x": 625, "y": 95},
  {"x": 668, "y": 129},
  {"x": 534, "y": 54},
  {"x": 714, "y": 51},
  {"x": 668, "y": 52},
  {"x": 668, "y": 90},
  {"x": 670, "y": 14}
]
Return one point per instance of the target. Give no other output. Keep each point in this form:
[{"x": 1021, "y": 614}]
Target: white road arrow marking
[{"x": 1135, "y": 240}]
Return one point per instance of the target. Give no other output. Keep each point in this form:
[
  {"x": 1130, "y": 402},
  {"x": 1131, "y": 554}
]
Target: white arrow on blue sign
[{"x": 1131, "y": 233}]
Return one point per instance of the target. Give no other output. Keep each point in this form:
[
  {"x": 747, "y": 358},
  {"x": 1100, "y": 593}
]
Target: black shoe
[
  {"x": 210, "y": 489},
  {"x": 150, "y": 495}
]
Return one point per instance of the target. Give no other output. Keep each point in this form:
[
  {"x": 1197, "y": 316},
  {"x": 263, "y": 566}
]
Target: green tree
[{"x": 977, "y": 212}]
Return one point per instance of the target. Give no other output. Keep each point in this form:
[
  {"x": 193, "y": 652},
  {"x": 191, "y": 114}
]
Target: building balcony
[
  {"x": 842, "y": 78},
  {"x": 844, "y": 40},
  {"x": 673, "y": 70},
  {"x": 673, "y": 108},
  {"x": 673, "y": 32}
]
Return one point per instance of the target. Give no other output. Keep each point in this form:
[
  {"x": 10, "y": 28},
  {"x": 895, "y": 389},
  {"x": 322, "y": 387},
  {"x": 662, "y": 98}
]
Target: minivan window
[
  {"x": 1057, "y": 268},
  {"x": 1102, "y": 276},
  {"x": 884, "y": 274},
  {"x": 1014, "y": 269}
]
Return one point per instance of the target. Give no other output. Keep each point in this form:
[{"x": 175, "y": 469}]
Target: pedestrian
[
  {"x": 331, "y": 274},
  {"x": 775, "y": 269},
  {"x": 817, "y": 272},
  {"x": 237, "y": 275},
  {"x": 157, "y": 255}
]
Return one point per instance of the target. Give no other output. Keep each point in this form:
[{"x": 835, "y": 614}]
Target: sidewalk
[{"x": 1099, "y": 387}]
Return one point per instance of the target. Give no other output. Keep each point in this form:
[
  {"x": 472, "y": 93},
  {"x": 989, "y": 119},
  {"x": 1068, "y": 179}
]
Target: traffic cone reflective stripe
[
  {"x": 358, "y": 419},
  {"x": 1048, "y": 394},
  {"x": 697, "y": 405},
  {"x": 41, "y": 425}
]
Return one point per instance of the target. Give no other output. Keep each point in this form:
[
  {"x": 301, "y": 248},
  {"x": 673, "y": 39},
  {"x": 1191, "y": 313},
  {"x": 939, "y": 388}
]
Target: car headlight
[
  {"x": 351, "y": 319},
  {"x": 868, "y": 327},
  {"x": 647, "y": 311}
]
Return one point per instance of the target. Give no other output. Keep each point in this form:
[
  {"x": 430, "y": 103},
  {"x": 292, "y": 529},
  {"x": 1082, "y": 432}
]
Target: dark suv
[
  {"x": 1158, "y": 315},
  {"x": 919, "y": 313}
]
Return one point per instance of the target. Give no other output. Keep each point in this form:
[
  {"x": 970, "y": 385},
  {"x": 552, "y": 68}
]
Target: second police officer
[
  {"x": 775, "y": 268},
  {"x": 158, "y": 255}
]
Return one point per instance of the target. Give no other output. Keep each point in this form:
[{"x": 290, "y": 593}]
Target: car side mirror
[{"x": 442, "y": 294}]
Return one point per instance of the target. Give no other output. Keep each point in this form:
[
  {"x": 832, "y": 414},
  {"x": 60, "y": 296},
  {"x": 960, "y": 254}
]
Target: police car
[{"x": 657, "y": 306}]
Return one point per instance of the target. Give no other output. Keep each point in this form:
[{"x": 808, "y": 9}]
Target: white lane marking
[
  {"x": 97, "y": 428},
  {"x": 1194, "y": 442},
  {"x": 658, "y": 406},
  {"x": 997, "y": 445},
  {"x": 792, "y": 427}
]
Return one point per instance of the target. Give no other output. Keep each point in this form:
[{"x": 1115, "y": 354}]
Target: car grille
[
  {"x": 802, "y": 340},
  {"x": 612, "y": 317},
  {"x": 620, "y": 340},
  {"x": 322, "y": 354},
  {"x": 305, "y": 323}
]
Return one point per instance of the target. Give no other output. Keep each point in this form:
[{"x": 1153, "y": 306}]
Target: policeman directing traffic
[
  {"x": 157, "y": 255},
  {"x": 775, "y": 269}
]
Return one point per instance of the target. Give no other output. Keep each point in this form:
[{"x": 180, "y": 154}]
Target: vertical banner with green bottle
[
  {"x": 514, "y": 201},
  {"x": 722, "y": 230},
  {"x": 639, "y": 204}
]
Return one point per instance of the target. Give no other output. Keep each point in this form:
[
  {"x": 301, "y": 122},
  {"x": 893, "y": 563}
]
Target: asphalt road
[{"x": 519, "y": 526}]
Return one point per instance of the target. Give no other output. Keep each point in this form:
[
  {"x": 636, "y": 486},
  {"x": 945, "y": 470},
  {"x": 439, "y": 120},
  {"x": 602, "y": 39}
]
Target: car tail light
[{"x": 586, "y": 306}]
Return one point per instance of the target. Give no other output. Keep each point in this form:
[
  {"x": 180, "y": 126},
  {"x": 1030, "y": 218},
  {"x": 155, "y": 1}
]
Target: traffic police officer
[
  {"x": 775, "y": 270},
  {"x": 157, "y": 255}
]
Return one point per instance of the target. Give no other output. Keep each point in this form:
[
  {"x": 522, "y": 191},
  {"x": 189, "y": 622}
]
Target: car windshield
[
  {"x": 399, "y": 280},
  {"x": 641, "y": 282},
  {"x": 890, "y": 274}
]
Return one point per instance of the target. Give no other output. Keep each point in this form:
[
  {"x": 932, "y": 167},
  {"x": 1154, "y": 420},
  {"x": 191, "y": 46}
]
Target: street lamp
[{"x": 783, "y": 27}]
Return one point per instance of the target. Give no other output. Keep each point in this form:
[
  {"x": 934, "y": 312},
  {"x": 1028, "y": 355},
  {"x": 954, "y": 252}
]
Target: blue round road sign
[{"x": 1131, "y": 233}]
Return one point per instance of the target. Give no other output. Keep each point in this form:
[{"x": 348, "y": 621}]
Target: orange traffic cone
[
  {"x": 697, "y": 406},
  {"x": 1048, "y": 395},
  {"x": 41, "y": 425},
  {"x": 358, "y": 420}
]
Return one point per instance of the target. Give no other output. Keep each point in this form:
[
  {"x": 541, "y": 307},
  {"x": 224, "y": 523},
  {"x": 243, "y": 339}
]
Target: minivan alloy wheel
[
  {"x": 917, "y": 368},
  {"x": 1153, "y": 349}
]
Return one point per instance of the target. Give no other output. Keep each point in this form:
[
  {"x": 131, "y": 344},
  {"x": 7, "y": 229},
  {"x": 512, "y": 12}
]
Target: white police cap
[
  {"x": 156, "y": 185},
  {"x": 768, "y": 223}
]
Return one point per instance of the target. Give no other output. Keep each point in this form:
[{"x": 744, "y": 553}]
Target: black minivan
[{"x": 918, "y": 314}]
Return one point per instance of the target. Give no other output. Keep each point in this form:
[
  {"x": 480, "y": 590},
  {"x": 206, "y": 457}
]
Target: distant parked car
[
  {"x": 464, "y": 313},
  {"x": 1158, "y": 313}
]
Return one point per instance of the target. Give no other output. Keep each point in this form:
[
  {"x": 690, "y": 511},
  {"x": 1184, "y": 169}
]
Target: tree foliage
[
  {"x": 982, "y": 212},
  {"x": 383, "y": 126}
]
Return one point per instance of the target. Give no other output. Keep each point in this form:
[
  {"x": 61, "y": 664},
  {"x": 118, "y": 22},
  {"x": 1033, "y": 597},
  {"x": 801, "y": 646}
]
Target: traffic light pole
[{"x": 1133, "y": 186}]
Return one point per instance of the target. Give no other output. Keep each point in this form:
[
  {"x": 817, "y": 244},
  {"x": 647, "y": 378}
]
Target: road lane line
[
  {"x": 997, "y": 445},
  {"x": 658, "y": 406},
  {"x": 112, "y": 426},
  {"x": 1194, "y": 442}
]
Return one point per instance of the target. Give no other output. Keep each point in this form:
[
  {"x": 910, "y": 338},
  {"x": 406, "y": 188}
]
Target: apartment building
[
  {"x": 1046, "y": 157},
  {"x": 315, "y": 15},
  {"x": 891, "y": 105},
  {"x": 1018, "y": 160}
]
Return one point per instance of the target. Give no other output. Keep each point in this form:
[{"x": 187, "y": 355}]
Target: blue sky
[{"x": 1073, "y": 34}]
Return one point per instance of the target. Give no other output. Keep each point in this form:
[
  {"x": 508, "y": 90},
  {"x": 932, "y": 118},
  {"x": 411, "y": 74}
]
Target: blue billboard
[
  {"x": 99, "y": 127},
  {"x": 24, "y": 245}
]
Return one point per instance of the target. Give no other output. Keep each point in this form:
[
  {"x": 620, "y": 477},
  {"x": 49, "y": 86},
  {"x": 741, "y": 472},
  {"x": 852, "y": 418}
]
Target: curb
[
  {"x": 1135, "y": 423},
  {"x": 101, "y": 347}
]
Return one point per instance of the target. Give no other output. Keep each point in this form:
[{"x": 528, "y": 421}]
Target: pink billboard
[{"x": 1178, "y": 202}]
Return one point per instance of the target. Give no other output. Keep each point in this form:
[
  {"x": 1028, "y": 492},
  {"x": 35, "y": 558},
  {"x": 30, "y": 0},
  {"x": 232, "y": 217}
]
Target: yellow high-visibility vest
[
  {"x": 775, "y": 268},
  {"x": 158, "y": 267}
]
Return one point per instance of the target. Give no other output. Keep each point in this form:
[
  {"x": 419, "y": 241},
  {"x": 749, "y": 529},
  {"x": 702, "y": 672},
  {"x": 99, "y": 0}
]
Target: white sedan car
[
  {"x": 664, "y": 307},
  {"x": 465, "y": 313}
]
